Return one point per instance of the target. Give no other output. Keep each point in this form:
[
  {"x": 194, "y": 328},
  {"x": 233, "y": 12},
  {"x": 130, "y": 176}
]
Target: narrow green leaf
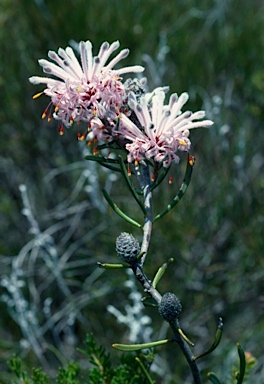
[
  {"x": 148, "y": 304},
  {"x": 161, "y": 176},
  {"x": 140, "y": 255},
  {"x": 145, "y": 301},
  {"x": 112, "y": 266},
  {"x": 119, "y": 212},
  {"x": 101, "y": 159},
  {"x": 109, "y": 166},
  {"x": 216, "y": 342},
  {"x": 161, "y": 271},
  {"x": 145, "y": 371},
  {"x": 109, "y": 145},
  {"x": 107, "y": 163},
  {"x": 130, "y": 185},
  {"x": 188, "y": 341},
  {"x": 136, "y": 347},
  {"x": 183, "y": 188},
  {"x": 213, "y": 378},
  {"x": 242, "y": 366}
]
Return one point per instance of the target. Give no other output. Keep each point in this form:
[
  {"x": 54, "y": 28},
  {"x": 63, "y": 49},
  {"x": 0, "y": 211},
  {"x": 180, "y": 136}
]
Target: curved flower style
[
  {"x": 83, "y": 90},
  {"x": 162, "y": 130}
]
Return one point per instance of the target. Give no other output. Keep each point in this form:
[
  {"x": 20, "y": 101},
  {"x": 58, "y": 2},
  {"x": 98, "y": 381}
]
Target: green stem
[{"x": 145, "y": 371}]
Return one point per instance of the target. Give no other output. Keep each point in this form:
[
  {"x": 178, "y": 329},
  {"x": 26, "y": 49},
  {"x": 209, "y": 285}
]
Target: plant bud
[
  {"x": 127, "y": 247},
  {"x": 170, "y": 307}
]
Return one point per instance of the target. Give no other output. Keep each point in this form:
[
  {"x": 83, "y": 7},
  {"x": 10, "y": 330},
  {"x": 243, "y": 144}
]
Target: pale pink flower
[
  {"x": 97, "y": 130},
  {"x": 82, "y": 90},
  {"x": 162, "y": 130}
]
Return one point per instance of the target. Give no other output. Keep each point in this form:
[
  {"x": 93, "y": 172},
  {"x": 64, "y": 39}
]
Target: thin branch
[
  {"x": 143, "y": 177},
  {"x": 142, "y": 173},
  {"x": 188, "y": 355},
  {"x": 153, "y": 292}
]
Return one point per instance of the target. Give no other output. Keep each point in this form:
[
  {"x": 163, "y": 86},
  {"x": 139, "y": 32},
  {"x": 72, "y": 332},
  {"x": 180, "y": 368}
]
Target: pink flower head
[
  {"x": 82, "y": 90},
  {"x": 162, "y": 130}
]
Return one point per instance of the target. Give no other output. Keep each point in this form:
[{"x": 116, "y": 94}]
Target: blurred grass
[{"x": 216, "y": 232}]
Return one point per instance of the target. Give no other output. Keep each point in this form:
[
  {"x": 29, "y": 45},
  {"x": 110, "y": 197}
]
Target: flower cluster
[
  {"x": 162, "y": 130},
  {"x": 83, "y": 90},
  {"x": 92, "y": 91}
]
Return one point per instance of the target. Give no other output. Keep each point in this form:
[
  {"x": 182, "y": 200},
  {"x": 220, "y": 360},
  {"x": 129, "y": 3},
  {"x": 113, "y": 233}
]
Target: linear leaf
[
  {"x": 118, "y": 210},
  {"x": 213, "y": 378},
  {"x": 130, "y": 185},
  {"x": 183, "y": 188},
  {"x": 161, "y": 271},
  {"x": 216, "y": 342},
  {"x": 136, "y": 347},
  {"x": 242, "y": 366}
]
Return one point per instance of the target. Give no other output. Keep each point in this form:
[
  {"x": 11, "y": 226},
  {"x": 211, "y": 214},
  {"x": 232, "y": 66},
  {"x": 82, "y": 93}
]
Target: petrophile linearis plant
[{"x": 135, "y": 132}]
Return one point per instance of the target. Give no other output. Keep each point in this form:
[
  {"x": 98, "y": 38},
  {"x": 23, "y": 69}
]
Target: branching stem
[
  {"x": 188, "y": 355},
  {"x": 143, "y": 177}
]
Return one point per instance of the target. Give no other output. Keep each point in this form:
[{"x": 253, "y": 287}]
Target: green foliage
[
  {"x": 213, "y": 378},
  {"x": 239, "y": 372},
  {"x": 100, "y": 359},
  {"x": 127, "y": 372},
  {"x": 68, "y": 375},
  {"x": 132, "y": 369},
  {"x": 101, "y": 370},
  {"x": 37, "y": 377}
]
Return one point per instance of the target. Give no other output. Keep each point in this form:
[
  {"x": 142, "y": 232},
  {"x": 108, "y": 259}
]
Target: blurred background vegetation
[{"x": 55, "y": 224}]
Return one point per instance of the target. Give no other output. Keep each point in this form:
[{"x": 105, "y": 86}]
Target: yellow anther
[
  {"x": 37, "y": 95},
  {"x": 61, "y": 130},
  {"x": 191, "y": 160},
  {"x": 57, "y": 108},
  {"x": 81, "y": 137},
  {"x": 182, "y": 142}
]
